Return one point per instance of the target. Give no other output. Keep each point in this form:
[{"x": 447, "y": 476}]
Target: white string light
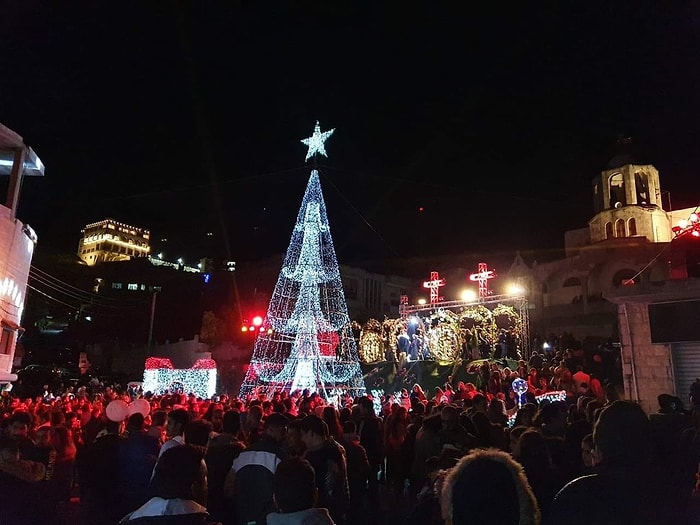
[
  {"x": 316, "y": 141},
  {"x": 306, "y": 311}
]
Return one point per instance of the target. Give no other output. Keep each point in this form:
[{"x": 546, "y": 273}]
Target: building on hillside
[
  {"x": 17, "y": 242},
  {"x": 109, "y": 240}
]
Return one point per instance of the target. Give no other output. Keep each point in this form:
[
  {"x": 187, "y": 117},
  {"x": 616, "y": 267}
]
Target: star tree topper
[{"x": 315, "y": 141}]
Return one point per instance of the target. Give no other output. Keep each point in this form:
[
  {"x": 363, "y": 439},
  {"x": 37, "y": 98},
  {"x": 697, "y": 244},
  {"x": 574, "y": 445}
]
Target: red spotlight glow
[{"x": 257, "y": 320}]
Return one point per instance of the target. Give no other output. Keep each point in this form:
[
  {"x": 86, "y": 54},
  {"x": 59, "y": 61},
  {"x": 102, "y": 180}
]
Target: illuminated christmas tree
[{"x": 306, "y": 341}]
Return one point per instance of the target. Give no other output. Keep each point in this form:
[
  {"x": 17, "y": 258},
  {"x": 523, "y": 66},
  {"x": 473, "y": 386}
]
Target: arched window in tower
[
  {"x": 619, "y": 228},
  {"x": 632, "y": 226},
  {"x": 617, "y": 190},
  {"x": 641, "y": 186},
  {"x": 572, "y": 281},
  {"x": 608, "y": 230}
]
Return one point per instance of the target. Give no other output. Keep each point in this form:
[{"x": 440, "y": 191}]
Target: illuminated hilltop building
[{"x": 109, "y": 240}]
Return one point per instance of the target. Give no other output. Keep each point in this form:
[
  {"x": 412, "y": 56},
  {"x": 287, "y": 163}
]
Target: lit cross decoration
[
  {"x": 316, "y": 142},
  {"x": 434, "y": 285},
  {"x": 482, "y": 276}
]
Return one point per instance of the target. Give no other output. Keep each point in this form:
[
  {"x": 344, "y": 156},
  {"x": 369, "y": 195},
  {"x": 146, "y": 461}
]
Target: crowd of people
[{"x": 467, "y": 453}]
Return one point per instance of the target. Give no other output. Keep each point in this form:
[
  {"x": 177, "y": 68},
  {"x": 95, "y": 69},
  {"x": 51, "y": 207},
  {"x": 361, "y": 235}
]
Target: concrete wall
[{"x": 646, "y": 367}]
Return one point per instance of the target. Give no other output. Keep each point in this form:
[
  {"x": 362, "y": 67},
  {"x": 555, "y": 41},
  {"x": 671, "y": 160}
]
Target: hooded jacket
[{"x": 529, "y": 511}]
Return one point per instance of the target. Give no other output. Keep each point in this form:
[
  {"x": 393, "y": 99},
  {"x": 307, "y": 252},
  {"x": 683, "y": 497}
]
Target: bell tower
[{"x": 627, "y": 204}]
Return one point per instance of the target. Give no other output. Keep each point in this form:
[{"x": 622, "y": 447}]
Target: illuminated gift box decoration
[{"x": 160, "y": 377}]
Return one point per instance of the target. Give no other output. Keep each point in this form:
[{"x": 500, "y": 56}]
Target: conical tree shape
[{"x": 307, "y": 341}]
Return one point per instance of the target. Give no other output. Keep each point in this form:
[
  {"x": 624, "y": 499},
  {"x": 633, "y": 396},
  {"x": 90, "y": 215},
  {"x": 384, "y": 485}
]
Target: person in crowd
[
  {"x": 428, "y": 444},
  {"x": 173, "y": 503},
  {"x": 497, "y": 412},
  {"x": 395, "y": 428},
  {"x": 452, "y": 435},
  {"x": 369, "y": 428},
  {"x": 223, "y": 449},
  {"x": 588, "y": 457},
  {"x": 138, "y": 454},
  {"x": 495, "y": 385},
  {"x": 98, "y": 472},
  {"x": 536, "y": 360},
  {"x": 215, "y": 415},
  {"x": 488, "y": 486},
  {"x": 248, "y": 484},
  {"x": 158, "y": 423},
  {"x": 358, "y": 471},
  {"x": 544, "y": 478},
  {"x": 21, "y": 483},
  {"x": 62, "y": 480},
  {"x": 620, "y": 491},
  {"x": 253, "y": 424},
  {"x": 330, "y": 416},
  {"x": 177, "y": 420},
  {"x": 197, "y": 434},
  {"x": 295, "y": 495},
  {"x": 294, "y": 444},
  {"x": 417, "y": 393},
  {"x": 328, "y": 460}
]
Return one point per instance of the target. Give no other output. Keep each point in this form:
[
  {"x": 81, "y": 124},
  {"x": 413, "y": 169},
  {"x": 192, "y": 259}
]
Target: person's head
[
  {"x": 176, "y": 422},
  {"x": 255, "y": 414},
  {"x": 533, "y": 449},
  {"x": 294, "y": 485},
  {"x": 432, "y": 423},
  {"x": 330, "y": 416},
  {"x": 366, "y": 406},
  {"x": 623, "y": 435},
  {"x": 349, "y": 429},
  {"x": 158, "y": 417},
  {"x": 197, "y": 432},
  {"x": 176, "y": 471},
  {"x": 313, "y": 431},
  {"x": 231, "y": 422},
  {"x": 588, "y": 456},
  {"x": 275, "y": 427},
  {"x": 480, "y": 403},
  {"x": 485, "y": 482},
  {"x": 514, "y": 438},
  {"x": 449, "y": 417},
  {"x": 293, "y": 439},
  {"x": 19, "y": 424},
  {"x": 135, "y": 423},
  {"x": 217, "y": 416}
]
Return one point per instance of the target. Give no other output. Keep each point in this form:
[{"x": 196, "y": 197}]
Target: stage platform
[{"x": 391, "y": 376}]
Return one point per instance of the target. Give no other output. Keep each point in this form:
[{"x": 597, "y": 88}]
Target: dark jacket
[
  {"x": 137, "y": 457},
  {"x": 254, "y": 469},
  {"x": 330, "y": 466},
  {"x": 615, "y": 498},
  {"x": 98, "y": 471},
  {"x": 219, "y": 459}
]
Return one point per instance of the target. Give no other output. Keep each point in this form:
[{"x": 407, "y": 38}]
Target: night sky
[{"x": 185, "y": 118}]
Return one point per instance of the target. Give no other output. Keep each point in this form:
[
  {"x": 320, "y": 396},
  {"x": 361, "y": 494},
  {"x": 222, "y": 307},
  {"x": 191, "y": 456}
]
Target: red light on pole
[{"x": 257, "y": 320}]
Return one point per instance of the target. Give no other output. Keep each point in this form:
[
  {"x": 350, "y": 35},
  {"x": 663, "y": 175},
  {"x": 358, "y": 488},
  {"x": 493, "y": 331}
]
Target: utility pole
[{"x": 150, "y": 327}]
